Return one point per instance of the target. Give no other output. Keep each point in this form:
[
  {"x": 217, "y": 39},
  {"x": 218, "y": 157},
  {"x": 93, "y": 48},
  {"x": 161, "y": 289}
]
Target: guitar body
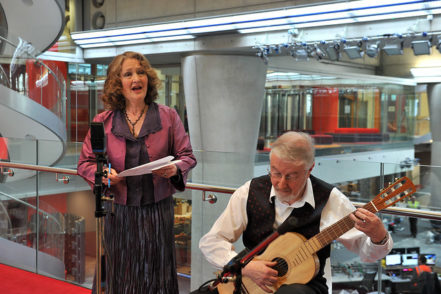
[{"x": 284, "y": 249}]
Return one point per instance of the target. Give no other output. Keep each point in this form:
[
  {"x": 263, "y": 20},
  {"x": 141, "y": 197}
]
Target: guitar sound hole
[{"x": 281, "y": 267}]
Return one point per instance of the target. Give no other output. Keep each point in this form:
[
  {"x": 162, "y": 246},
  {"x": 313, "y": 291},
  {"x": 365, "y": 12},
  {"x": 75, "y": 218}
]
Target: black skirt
[{"x": 139, "y": 250}]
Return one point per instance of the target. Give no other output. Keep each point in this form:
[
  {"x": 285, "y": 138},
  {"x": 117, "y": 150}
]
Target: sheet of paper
[{"x": 148, "y": 167}]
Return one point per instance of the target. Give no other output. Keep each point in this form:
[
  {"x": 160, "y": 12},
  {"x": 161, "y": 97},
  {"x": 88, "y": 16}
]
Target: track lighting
[
  {"x": 333, "y": 52},
  {"x": 421, "y": 47},
  {"x": 317, "y": 53},
  {"x": 353, "y": 51},
  {"x": 353, "y": 48},
  {"x": 300, "y": 53},
  {"x": 395, "y": 48},
  {"x": 263, "y": 53},
  {"x": 372, "y": 49}
]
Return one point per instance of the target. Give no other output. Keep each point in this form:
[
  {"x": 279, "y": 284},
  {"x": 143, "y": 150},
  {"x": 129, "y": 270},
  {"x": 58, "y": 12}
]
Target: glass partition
[
  {"x": 361, "y": 177},
  {"x": 341, "y": 110},
  {"x": 43, "y": 222},
  {"x": 53, "y": 214}
]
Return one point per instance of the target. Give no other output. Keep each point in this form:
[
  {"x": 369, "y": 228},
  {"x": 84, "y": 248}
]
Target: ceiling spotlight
[
  {"x": 421, "y": 47},
  {"x": 277, "y": 49},
  {"x": 372, "y": 49},
  {"x": 333, "y": 52},
  {"x": 394, "y": 48},
  {"x": 317, "y": 53},
  {"x": 300, "y": 53},
  {"x": 263, "y": 54},
  {"x": 353, "y": 52}
]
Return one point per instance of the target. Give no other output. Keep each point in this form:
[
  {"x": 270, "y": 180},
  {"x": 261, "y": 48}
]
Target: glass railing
[
  {"x": 33, "y": 151},
  {"x": 64, "y": 233},
  {"x": 43, "y": 81},
  {"x": 347, "y": 268},
  {"x": 29, "y": 223}
]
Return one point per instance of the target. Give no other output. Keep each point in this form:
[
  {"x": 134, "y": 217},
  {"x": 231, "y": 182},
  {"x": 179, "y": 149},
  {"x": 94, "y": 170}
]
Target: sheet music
[{"x": 148, "y": 167}]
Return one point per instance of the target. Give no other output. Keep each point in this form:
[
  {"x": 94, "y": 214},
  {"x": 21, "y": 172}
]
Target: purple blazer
[{"x": 171, "y": 139}]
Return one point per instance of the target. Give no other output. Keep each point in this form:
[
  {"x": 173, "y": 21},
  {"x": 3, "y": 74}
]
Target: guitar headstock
[{"x": 397, "y": 191}]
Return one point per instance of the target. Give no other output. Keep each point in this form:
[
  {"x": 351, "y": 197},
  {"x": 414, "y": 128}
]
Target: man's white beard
[{"x": 287, "y": 199}]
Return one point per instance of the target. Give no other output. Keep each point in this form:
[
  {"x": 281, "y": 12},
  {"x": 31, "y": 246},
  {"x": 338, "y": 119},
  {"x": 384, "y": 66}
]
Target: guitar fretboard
[{"x": 326, "y": 236}]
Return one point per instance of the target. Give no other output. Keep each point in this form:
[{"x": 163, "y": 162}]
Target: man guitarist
[{"x": 258, "y": 207}]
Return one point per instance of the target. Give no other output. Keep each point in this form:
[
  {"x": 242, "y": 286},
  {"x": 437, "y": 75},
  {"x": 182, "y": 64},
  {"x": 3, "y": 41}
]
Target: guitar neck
[
  {"x": 395, "y": 192},
  {"x": 334, "y": 231}
]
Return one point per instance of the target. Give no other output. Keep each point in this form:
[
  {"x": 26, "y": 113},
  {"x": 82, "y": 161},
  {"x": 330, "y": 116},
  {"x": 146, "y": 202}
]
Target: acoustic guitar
[{"x": 296, "y": 257}]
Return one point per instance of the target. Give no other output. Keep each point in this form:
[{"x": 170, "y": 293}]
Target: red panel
[
  {"x": 325, "y": 110},
  {"x": 78, "y": 131},
  {"x": 377, "y": 114},
  {"x": 42, "y": 85},
  {"x": 356, "y": 131},
  {"x": 56, "y": 201},
  {"x": 79, "y": 115},
  {"x": 4, "y": 148}
]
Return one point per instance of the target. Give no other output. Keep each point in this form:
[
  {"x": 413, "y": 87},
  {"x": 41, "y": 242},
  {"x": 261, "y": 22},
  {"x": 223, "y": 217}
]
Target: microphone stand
[{"x": 100, "y": 212}]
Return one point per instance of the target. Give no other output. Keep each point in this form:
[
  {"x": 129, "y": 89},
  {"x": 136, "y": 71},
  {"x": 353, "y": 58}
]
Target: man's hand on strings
[{"x": 369, "y": 223}]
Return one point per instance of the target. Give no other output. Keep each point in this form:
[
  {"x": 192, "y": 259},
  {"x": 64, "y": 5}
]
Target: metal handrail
[
  {"x": 210, "y": 188},
  {"x": 412, "y": 212},
  {"x": 39, "y": 168}
]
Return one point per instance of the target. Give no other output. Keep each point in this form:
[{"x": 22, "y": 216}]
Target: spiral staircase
[
  {"x": 34, "y": 133},
  {"x": 23, "y": 118}
]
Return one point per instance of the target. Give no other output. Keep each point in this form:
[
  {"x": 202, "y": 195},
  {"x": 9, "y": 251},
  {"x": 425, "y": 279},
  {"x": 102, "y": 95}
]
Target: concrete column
[
  {"x": 224, "y": 97},
  {"x": 434, "y": 94}
]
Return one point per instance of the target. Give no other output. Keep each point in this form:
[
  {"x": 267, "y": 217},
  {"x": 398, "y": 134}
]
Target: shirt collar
[
  {"x": 119, "y": 125},
  {"x": 308, "y": 196}
]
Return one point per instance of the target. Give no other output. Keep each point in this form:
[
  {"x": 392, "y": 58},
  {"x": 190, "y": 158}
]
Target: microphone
[
  {"x": 98, "y": 143},
  {"x": 97, "y": 138}
]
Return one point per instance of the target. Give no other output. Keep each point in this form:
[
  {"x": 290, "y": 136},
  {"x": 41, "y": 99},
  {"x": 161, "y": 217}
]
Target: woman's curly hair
[{"x": 112, "y": 96}]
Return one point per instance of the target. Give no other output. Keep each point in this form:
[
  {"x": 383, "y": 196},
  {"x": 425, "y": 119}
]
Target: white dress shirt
[{"x": 217, "y": 245}]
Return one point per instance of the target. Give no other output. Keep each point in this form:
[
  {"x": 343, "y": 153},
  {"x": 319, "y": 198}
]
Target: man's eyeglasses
[{"x": 289, "y": 177}]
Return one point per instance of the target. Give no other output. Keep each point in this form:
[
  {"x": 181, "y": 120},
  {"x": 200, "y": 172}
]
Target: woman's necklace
[{"x": 134, "y": 123}]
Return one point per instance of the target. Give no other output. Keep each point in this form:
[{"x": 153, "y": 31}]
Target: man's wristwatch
[{"x": 382, "y": 242}]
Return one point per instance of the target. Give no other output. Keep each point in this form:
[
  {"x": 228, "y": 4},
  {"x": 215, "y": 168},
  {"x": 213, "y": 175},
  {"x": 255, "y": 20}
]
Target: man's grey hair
[{"x": 295, "y": 146}]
